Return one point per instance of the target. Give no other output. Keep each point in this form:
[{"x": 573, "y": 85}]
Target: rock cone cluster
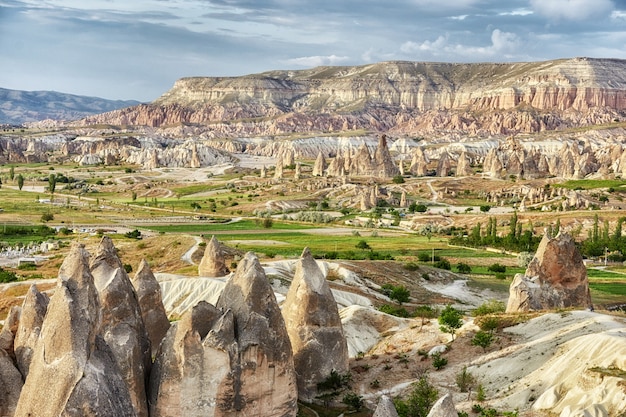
[
  {"x": 92, "y": 342},
  {"x": 213, "y": 263},
  {"x": 555, "y": 278}
]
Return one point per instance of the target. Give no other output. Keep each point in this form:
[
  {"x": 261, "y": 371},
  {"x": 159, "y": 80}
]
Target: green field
[{"x": 591, "y": 184}]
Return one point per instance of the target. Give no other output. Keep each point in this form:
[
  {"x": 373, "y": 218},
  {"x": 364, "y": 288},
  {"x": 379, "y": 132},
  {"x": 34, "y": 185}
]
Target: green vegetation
[
  {"x": 420, "y": 400},
  {"x": 450, "y": 319},
  {"x": 7, "y": 276}
]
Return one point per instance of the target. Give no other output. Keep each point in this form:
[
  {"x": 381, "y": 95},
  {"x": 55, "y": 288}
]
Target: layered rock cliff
[{"x": 393, "y": 96}]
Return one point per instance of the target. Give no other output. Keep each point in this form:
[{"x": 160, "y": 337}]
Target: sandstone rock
[
  {"x": 298, "y": 172},
  {"x": 122, "y": 324},
  {"x": 419, "y": 162},
  {"x": 444, "y": 165},
  {"x": 7, "y": 335},
  {"x": 463, "y": 167},
  {"x": 555, "y": 278},
  {"x": 150, "y": 301},
  {"x": 193, "y": 374},
  {"x": 70, "y": 359},
  {"x": 33, "y": 312},
  {"x": 320, "y": 165},
  {"x": 444, "y": 407},
  {"x": 213, "y": 263},
  {"x": 385, "y": 408},
  {"x": 278, "y": 171},
  {"x": 264, "y": 351},
  {"x": 314, "y": 328},
  {"x": 383, "y": 162},
  {"x": 10, "y": 385}
]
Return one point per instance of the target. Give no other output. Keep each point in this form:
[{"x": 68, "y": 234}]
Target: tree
[
  {"x": 398, "y": 179},
  {"x": 354, "y": 401},
  {"x": 400, "y": 294},
  {"x": 463, "y": 268},
  {"x": 420, "y": 400},
  {"x": 362, "y": 245},
  {"x": 485, "y": 208},
  {"x": 425, "y": 313},
  {"x": 11, "y": 173},
  {"x": 465, "y": 380},
  {"x": 134, "y": 196},
  {"x": 47, "y": 216},
  {"x": 52, "y": 183},
  {"x": 20, "y": 181},
  {"x": 482, "y": 339},
  {"x": 450, "y": 320}
]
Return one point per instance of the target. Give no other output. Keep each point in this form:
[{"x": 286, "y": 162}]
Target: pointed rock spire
[
  {"x": 264, "y": 350},
  {"x": 10, "y": 385},
  {"x": 70, "y": 359},
  {"x": 463, "y": 168},
  {"x": 320, "y": 165},
  {"x": 314, "y": 327},
  {"x": 213, "y": 263},
  {"x": 122, "y": 323},
  {"x": 33, "y": 312},
  {"x": 192, "y": 373},
  {"x": 150, "y": 301},
  {"x": 385, "y": 408},
  {"x": 7, "y": 335},
  {"x": 443, "y": 407}
]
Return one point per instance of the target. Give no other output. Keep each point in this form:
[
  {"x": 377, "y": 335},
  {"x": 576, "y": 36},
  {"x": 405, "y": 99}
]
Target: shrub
[
  {"x": 488, "y": 323},
  {"x": 443, "y": 264},
  {"x": 439, "y": 362},
  {"x": 450, "y": 320},
  {"x": 128, "y": 268},
  {"x": 489, "y": 307},
  {"x": 424, "y": 257},
  {"x": 496, "y": 268},
  {"x": 482, "y": 339},
  {"x": 500, "y": 275},
  {"x": 480, "y": 393},
  {"x": 7, "y": 276},
  {"x": 27, "y": 266},
  {"x": 419, "y": 401},
  {"x": 268, "y": 223},
  {"x": 411, "y": 266},
  {"x": 398, "y": 179},
  {"x": 394, "y": 310},
  {"x": 354, "y": 401},
  {"x": 465, "y": 380},
  {"x": 135, "y": 234},
  {"x": 463, "y": 268},
  {"x": 362, "y": 245},
  {"x": 47, "y": 216}
]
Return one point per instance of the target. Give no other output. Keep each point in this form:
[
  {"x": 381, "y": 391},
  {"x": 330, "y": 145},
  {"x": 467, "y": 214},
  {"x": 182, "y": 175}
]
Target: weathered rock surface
[
  {"x": 443, "y": 407},
  {"x": 33, "y": 312},
  {"x": 213, "y": 263},
  {"x": 122, "y": 324},
  {"x": 71, "y": 360},
  {"x": 150, "y": 302},
  {"x": 7, "y": 335},
  {"x": 385, "y": 408},
  {"x": 493, "y": 98},
  {"x": 314, "y": 327},
  {"x": 10, "y": 385},
  {"x": 193, "y": 375},
  {"x": 264, "y": 351},
  {"x": 555, "y": 278}
]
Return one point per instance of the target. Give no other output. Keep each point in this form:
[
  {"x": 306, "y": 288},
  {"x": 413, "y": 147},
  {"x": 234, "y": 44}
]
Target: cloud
[
  {"x": 426, "y": 46},
  {"x": 316, "y": 61},
  {"x": 572, "y": 9}
]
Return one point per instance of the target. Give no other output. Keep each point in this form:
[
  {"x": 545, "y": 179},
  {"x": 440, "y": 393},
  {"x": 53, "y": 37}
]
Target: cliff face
[{"x": 401, "y": 96}]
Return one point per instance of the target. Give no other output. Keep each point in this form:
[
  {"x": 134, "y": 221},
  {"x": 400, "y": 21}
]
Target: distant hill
[
  {"x": 401, "y": 98},
  {"x": 17, "y": 107}
]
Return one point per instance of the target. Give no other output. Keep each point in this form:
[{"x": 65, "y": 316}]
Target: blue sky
[{"x": 136, "y": 49}]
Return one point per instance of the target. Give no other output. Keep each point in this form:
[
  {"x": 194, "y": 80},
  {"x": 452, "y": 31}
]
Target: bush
[
  {"x": 135, "y": 234},
  {"x": 482, "y": 339},
  {"x": 394, "y": 310},
  {"x": 463, "y": 268},
  {"x": 500, "y": 275},
  {"x": 465, "y": 380},
  {"x": 439, "y": 362},
  {"x": 489, "y": 307},
  {"x": 398, "y": 179},
  {"x": 488, "y": 323},
  {"x": 47, "y": 216},
  {"x": 411, "y": 266},
  {"x": 496, "y": 268},
  {"x": 268, "y": 223},
  {"x": 27, "y": 266},
  {"x": 419, "y": 401},
  {"x": 443, "y": 264},
  {"x": 362, "y": 245},
  {"x": 354, "y": 401},
  {"x": 128, "y": 268},
  {"x": 7, "y": 276}
]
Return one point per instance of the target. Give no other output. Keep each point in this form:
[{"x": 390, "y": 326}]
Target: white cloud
[
  {"x": 517, "y": 12},
  {"x": 571, "y": 9},
  {"x": 426, "y": 46},
  {"x": 618, "y": 14},
  {"x": 317, "y": 60}
]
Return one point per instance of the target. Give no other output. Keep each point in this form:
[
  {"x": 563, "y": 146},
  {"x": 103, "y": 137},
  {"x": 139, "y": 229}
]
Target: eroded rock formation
[
  {"x": 33, "y": 312},
  {"x": 263, "y": 348},
  {"x": 122, "y": 324},
  {"x": 71, "y": 360},
  {"x": 150, "y": 301},
  {"x": 443, "y": 407},
  {"x": 555, "y": 278},
  {"x": 314, "y": 327},
  {"x": 385, "y": 408},
  {"x": 213, "y": 263}
]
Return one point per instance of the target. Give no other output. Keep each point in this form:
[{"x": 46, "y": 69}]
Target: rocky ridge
[{"x": 393, "y": 96}]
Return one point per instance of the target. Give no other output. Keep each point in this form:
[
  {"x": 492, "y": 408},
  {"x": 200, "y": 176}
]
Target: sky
[{"x": 137, "y": 49}]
